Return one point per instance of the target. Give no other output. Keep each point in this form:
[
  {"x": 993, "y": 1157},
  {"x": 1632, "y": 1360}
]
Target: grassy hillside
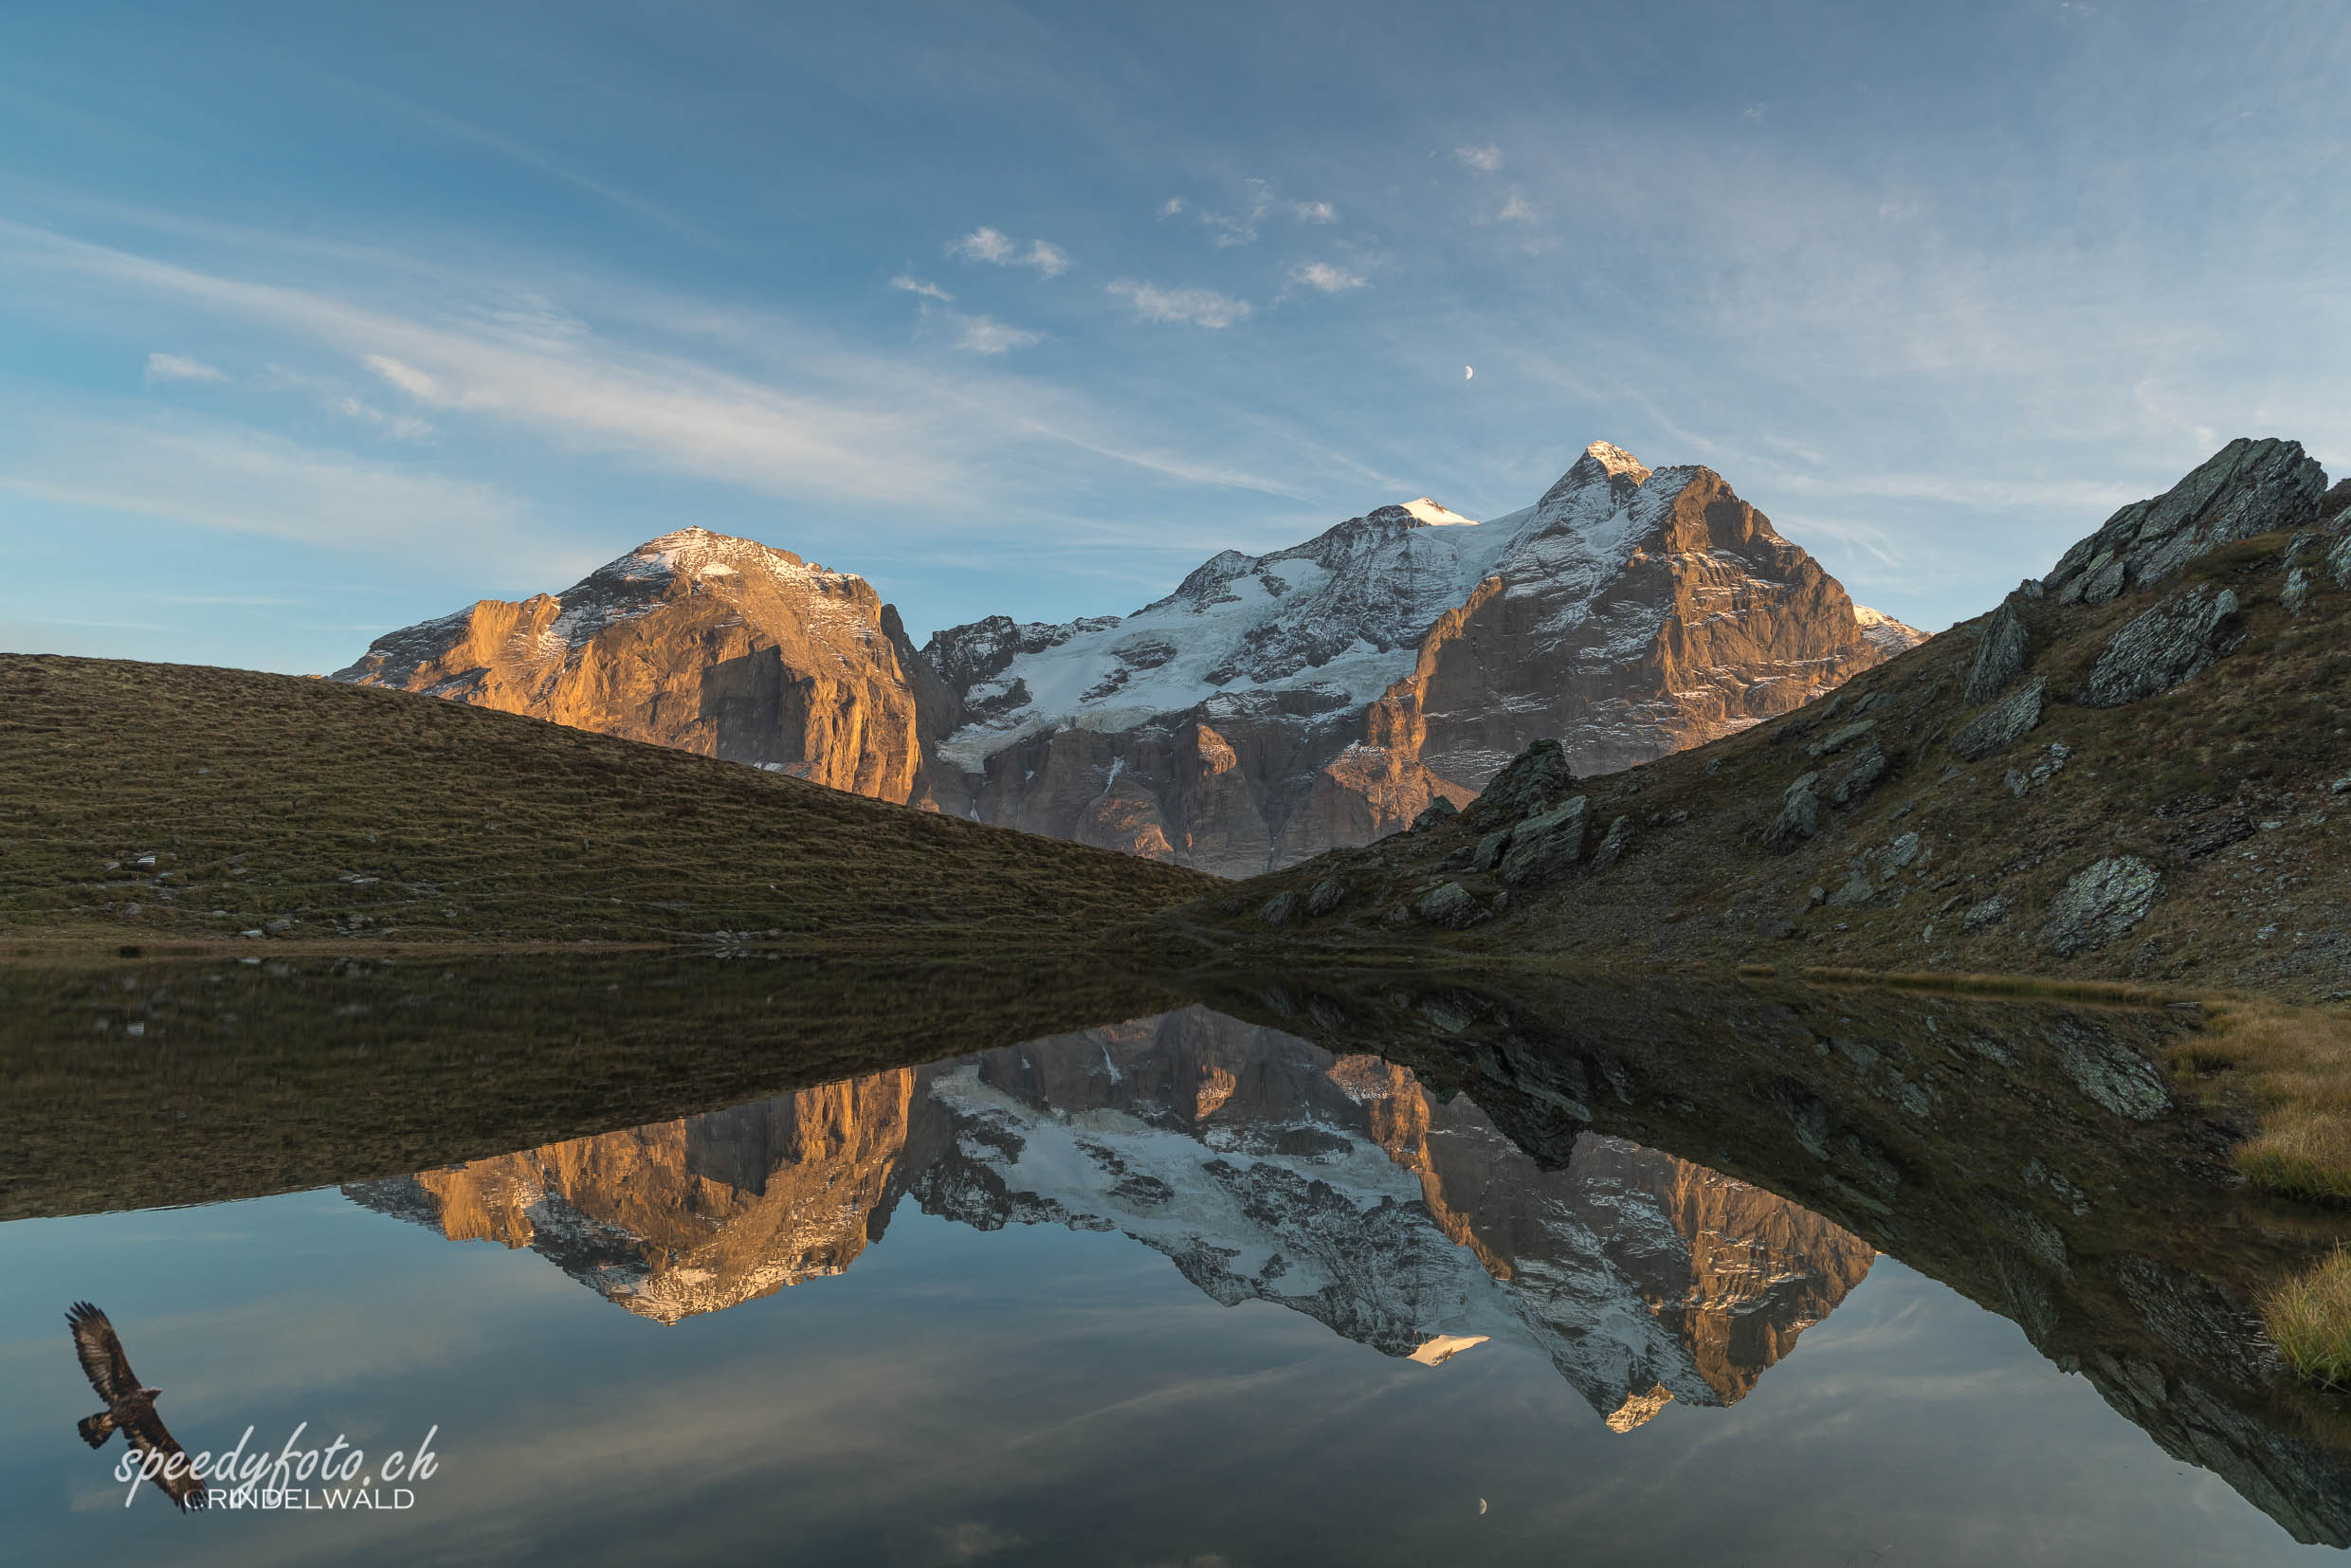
[
  {"x": 171, "y": 804},
  {"x": 2225, "y": 787}
]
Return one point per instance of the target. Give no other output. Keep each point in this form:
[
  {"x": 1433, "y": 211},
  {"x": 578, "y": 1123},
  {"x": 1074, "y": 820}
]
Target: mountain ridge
[{"x": 1266, "y": 708}]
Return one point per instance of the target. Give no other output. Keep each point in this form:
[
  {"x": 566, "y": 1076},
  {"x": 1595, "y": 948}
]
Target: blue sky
[{"x": 316, "y": 320}]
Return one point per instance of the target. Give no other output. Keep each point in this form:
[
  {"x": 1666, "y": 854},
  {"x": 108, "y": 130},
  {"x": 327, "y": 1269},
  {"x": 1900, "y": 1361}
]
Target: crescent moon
[{"x": 1467, "y": 371}]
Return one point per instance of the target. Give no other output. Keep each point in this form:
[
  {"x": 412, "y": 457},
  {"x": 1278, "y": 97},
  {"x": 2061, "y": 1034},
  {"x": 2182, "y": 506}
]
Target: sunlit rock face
[
  {"x": 1270, "y": 708},
  {"x": 686, "y": 1216},
  {"x": 705, "y": 643},
  {"x": 1262, "y": 1167},
  {"x": 1276, "y": 706}
]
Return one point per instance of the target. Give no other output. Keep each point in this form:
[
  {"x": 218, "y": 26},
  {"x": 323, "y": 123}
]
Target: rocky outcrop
[
  {"x": 2000, "y": 657},
  {"x": 708, "y": 643},
  {"x": 2001, "y": 725},
  {"x": 2177, "y": 640},
  {"x": 2099, "y": 904},
  {"x": 2246, "y": 488}
]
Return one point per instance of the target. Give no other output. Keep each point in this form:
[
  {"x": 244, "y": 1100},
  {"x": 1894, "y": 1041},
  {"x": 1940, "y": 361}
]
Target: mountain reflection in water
[
  {"x": 1641, "y": 1190},
  {"x": 1265, "y": 1168}
]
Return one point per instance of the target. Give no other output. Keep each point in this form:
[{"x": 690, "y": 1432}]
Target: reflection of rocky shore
[
  {"x": 1264, "y": 1168},
  {"x": 2029, "y": 1156}
]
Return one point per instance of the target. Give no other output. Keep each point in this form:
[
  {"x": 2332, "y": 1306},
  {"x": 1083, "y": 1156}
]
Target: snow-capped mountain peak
[{"x": 1438, "y": 517}]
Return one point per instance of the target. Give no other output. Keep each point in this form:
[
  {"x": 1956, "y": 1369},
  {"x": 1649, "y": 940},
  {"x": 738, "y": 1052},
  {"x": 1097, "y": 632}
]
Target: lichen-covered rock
[
  {"x": 1531, "y": 782},
  {"x": 2001, "y": 725},
  {"x": 1837, "y": 740},
  {"x": 1325, "y": 895},
  {"x": 1798, "y": 818},
  {"x": 2099, "y": 904},
  {"x": 1545, "y": 847},
  {"x": 2297, "y": 591},
  {"x": 2053, "y": 762},
  {"x": 2000, "y": 657},
  {"x": 1280, "y": 909},
  {"x": 1613, "y": 844},
  {"x": 1864, "y": 773},
  {"x": 1992, "y": 911},
  {"x": 1452, "y": 906},
  {"x": 2109, "y": 1071},
  {"x": 1489, "y": 850},
  {"x": 2176, "y": 641},
  {"x": 1440, "y": 809},
  {"x": 2246, "y": 488}
]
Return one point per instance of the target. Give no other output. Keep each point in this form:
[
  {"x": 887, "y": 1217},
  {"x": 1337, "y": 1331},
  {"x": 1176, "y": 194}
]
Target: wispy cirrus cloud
[
  {"x": 820, "y": 419},
  {"x": 231, "y": 477},
  {"x": 1201, "y": 307},
  {"x": 996, "y": 248},
  {"x": 1327, "y": 278},
  {"x": 1485, "y": 159},
  {"x": 986, "y": 335},
  {"x": 179, "y": 367},
  {"x": 915, "y": 286},
  {"x": 335, "y": 395},
  {"x": 1239, "y": 226}
]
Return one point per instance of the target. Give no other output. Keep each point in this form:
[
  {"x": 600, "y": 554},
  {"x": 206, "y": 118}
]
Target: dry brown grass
[
  {"x": 314, "y": 811},
  {"x": 2309, "y": 1319},
  {"x": 2291, "y": 1067}
]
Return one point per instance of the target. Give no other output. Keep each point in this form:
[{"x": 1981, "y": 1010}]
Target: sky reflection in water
[{"x": 1070, "y": 1386}]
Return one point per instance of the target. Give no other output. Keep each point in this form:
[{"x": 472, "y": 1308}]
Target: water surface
[{"x": 1196, "y": 1288}]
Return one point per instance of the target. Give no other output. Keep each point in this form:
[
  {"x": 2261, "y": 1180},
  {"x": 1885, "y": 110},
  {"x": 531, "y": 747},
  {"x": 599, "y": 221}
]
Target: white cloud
[
  {"x": 240, "y": 480},
  {"x": 1174, "y": 204},
  {"x": 175, "y": 366},
  {"x": 928, "y": 291},
  {"x": 814, "y": 418},
  {"x": 1201, "y": 307},
  {"x": 986, "y": 335},
  {"x": 984, "y": 245},
  {"x": 1329, "y": 279},
  {"x": 1516, "y": 210},
  {"x": 417, "y": 384},
  {"x": 1048, "y": 259},
  {"x": 1314, "y": 211},
  {"x": 1000, "y": 249},
  {"x": 1487, "y": 158}
]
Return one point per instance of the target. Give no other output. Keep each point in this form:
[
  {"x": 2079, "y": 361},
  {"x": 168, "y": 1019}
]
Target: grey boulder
[
  {"x": 1545, "y": 847},
  {"x": 2001, "y": 725},
  {"x": 2099, "y": 904},
  {"x": 2176, "y": 641}
]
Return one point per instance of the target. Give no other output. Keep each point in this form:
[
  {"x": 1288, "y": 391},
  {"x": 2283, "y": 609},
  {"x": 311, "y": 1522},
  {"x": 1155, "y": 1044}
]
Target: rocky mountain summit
[
  {"x": 699, "y": 640},
  {"x": 1276, "y": 706},
  {"x": 1269, "y": 708},
  {"x": 2134, "y": 766},
  {"x": 1262, "y": 1167}
]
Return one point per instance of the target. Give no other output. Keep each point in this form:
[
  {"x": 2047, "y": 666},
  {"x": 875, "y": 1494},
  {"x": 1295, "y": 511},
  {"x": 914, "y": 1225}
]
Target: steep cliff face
[
  {"x": 1276, "y": 706},
  {"x": 1262, "y": 1167},
  {"x": 709, "y": 644}
]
